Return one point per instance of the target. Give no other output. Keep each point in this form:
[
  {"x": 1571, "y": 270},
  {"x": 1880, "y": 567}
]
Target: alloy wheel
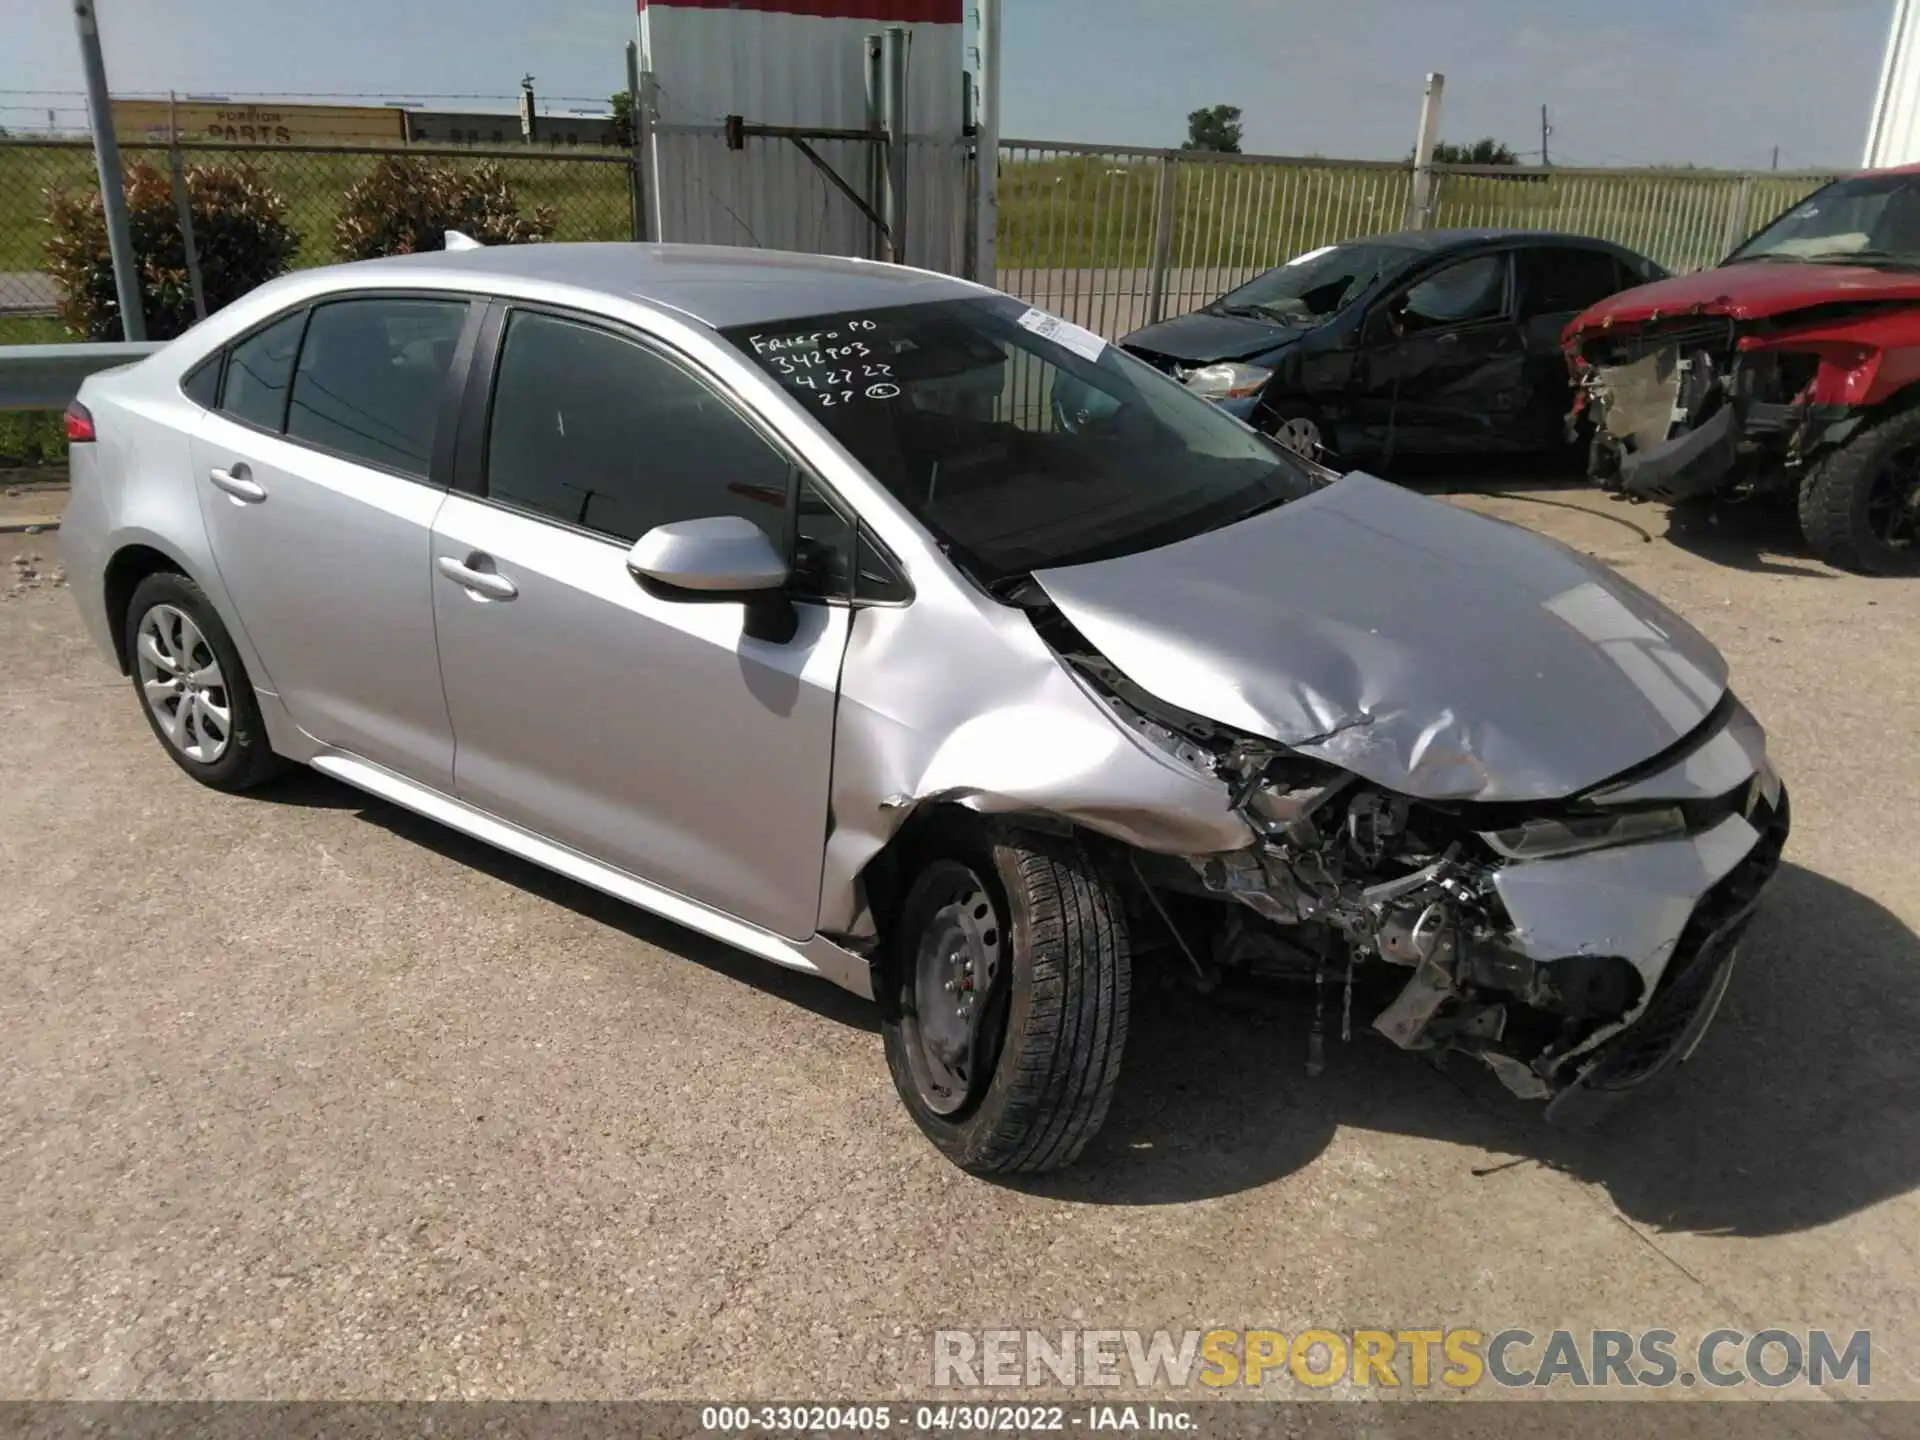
[
  {"x": 1300, "y": 435},
  {"x": 955, "y": 1000},
  {"x": 1893, "y": 502},
  {"x": 181, "y": 682}
]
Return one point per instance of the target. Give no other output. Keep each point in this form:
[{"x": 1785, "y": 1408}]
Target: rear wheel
[
  {"x": 192, "y": 686},
  {"x": 1298, "y": 430},
  {"x": 1860, "y": 506},
  {"x": 1007, "y": 1000}
]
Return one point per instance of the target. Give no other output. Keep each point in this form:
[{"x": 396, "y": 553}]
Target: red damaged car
[{"x": 1791, "y": 370}]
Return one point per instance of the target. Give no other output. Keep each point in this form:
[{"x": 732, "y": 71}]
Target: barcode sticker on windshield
[{"x": 1082, "y": 342}]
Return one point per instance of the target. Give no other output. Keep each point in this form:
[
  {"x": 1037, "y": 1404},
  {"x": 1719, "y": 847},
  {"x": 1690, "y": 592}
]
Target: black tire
[
  {"x": 1840, "y": 500},
  {"x": 1055, "y": 1021},
  {"x": 247, "y": 759}
]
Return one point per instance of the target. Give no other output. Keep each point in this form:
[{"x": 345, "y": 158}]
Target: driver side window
[
  {"x": 596, "y": 430},
  {"x": 1458, "y": 294}
]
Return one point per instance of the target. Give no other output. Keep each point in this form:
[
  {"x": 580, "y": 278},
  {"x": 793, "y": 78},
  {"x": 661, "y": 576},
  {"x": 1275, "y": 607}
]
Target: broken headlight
[
  {"x": 1571, "y": 835},
  {"x": 1230, "y": 381}
]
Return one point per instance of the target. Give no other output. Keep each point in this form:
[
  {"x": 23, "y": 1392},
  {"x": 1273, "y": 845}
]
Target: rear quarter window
[{"x": 259, "y": 372}]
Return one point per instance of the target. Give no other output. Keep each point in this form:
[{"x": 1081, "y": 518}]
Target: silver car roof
[{"x": 721, "y": 285}]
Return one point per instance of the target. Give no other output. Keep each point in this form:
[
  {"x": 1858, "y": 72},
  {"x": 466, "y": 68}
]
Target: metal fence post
[
  {"x": 106, "y": 156},
  {"x": 636, "y": 173},
  {"x": 1736, "y": 230},
  {"x": 185, "y": 211},
  {"x": 1163, "y": 204},
  {"x": 1420, "y": 195}
]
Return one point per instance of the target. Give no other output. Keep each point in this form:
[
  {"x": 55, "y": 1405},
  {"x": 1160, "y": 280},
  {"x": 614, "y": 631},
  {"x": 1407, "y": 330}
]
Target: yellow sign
[{"x": 236, "y": 124}]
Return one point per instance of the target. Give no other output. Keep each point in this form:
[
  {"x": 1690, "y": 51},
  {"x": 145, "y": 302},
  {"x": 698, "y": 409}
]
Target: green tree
[
  {"x": 622, "y": 104},
  {"x": 1216, "y": 128},
  {"x": 1484, "y": 151}
]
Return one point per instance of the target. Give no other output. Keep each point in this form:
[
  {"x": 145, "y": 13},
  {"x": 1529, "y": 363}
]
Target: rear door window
[
  {"x": 600, "y": 431},
  {"x": 1562, "y": 280},
  {"x": 260, "y": 371},
  {"x": 372, "y": 378}
]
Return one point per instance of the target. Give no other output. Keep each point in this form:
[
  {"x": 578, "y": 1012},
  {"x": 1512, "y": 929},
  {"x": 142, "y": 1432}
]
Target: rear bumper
[{"x": 83, "y": 542}]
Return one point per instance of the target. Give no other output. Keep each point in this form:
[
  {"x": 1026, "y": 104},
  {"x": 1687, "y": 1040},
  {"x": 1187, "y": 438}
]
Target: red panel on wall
[{"x": 899, "y": 12}]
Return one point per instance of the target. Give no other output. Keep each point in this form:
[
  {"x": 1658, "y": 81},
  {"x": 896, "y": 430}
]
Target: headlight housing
[
  {"x": 1229, "y": 380},
  {"x": 1574, "y": 834}
]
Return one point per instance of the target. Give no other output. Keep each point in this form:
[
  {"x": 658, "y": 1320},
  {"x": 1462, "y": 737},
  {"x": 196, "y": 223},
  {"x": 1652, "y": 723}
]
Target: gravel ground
[{"x": 301, "y": 1096}]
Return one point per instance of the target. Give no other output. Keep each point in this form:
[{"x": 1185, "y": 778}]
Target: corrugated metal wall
[
  {"x": 1893, "y": 136},
  {"x": 800, "y": 63},
  {"x": 768, "y": 195}
]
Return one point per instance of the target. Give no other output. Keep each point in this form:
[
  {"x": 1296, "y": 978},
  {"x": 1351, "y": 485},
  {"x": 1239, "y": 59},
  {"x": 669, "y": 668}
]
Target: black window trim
[
  {"x": 469, "y": 475},
  {"x": 440, "y": 465}
]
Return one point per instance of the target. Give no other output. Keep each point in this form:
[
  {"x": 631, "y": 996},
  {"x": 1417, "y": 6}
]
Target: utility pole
[
  {"x": 106, "y": 158},
  {"x": 528, "y": 122},
  {"x": 1420, "y": 192},
  {"x": 1776, "y": 157},
  {"x": 1545, "y": 131}
]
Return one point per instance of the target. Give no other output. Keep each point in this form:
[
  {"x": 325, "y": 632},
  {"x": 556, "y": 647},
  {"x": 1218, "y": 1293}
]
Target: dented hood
[
  {"x": 1752, "y": 290},
  {"x": 1434, "y": 652}
]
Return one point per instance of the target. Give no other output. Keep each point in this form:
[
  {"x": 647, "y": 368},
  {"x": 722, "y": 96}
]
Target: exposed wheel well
[
  {"x": 889, "y": 874},
  {"x": 125, "y": 571}
]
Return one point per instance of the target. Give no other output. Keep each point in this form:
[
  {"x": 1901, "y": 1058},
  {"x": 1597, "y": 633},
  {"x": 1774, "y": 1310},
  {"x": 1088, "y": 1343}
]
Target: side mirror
[
  {"x": 720, "y": 557},
  {"x": 717, "y": 558}
]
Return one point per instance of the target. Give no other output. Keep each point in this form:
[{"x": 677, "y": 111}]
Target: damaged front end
[
  {"x": 1699, "y": 404},
  {"x": 1576, "y": 947}
]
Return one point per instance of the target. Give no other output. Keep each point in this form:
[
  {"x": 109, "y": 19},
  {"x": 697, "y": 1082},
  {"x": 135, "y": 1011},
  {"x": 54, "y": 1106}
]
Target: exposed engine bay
[
  {"x": 1571, "y": 946},
  {"x": 1701, "y": 405}
]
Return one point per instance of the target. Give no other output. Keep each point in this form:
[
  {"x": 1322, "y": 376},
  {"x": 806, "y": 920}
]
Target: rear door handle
[
  {"x": 489, "y": 583},
  {"x": 239, "y": 483}
]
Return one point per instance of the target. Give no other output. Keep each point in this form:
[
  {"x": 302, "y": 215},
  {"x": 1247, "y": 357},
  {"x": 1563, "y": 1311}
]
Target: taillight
[{"x": 79, "y": 423}]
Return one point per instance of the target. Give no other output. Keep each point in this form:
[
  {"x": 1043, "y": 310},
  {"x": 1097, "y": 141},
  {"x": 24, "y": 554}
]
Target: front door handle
[
  {"x": 1447, "y": 337},
  {"x": 239, "y": 483},
  {"x": 489, "y": 583}
]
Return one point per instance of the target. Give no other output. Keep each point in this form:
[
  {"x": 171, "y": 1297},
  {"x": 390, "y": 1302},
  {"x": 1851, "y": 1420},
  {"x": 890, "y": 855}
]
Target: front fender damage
[{"x": 908, "y": 735}]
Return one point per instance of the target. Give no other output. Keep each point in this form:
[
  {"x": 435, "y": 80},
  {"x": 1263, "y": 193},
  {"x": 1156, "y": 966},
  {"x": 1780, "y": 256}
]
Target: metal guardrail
[{"x": 46, "y": 377}]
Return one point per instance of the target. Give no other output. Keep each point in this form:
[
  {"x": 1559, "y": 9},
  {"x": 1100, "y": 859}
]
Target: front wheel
[
  {"x": 1006, "y": 1001},
  {"x": 1860, "y": 506},
  {"x": 1298, "y": 429}
]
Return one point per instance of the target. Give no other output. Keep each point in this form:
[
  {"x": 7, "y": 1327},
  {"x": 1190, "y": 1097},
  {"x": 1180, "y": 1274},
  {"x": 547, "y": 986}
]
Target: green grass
[
  {"x": 1083, "y": 211},
  {"x": 31, "y": 437}
]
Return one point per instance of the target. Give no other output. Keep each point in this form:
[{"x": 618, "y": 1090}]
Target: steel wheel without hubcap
[
  {"x": 1893, "y": 502},
  {"x": 1300, "y": 435},
  {"x": 181, "y": 682},
  {"x": 955, "y": 965}
]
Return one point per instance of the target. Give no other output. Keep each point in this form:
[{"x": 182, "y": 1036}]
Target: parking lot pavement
[{"x": 302, "y": 1096}]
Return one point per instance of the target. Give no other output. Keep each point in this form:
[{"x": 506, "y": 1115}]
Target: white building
[{"x": 1893, "y": 134}]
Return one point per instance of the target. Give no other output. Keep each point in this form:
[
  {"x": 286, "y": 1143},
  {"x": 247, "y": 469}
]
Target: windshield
[
  {"x": 1312, "y": 287},
  {"x": 1869, "y": 219},
  {"x": 1019, "y": 440}
]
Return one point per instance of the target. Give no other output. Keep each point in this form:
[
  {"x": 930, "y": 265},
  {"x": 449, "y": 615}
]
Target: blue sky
[{"x": 1627, "y": 81}]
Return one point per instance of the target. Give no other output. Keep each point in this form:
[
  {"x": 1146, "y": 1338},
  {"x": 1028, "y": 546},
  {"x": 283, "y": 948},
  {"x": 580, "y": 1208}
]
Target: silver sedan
[{"x": 892, "y": 629}]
